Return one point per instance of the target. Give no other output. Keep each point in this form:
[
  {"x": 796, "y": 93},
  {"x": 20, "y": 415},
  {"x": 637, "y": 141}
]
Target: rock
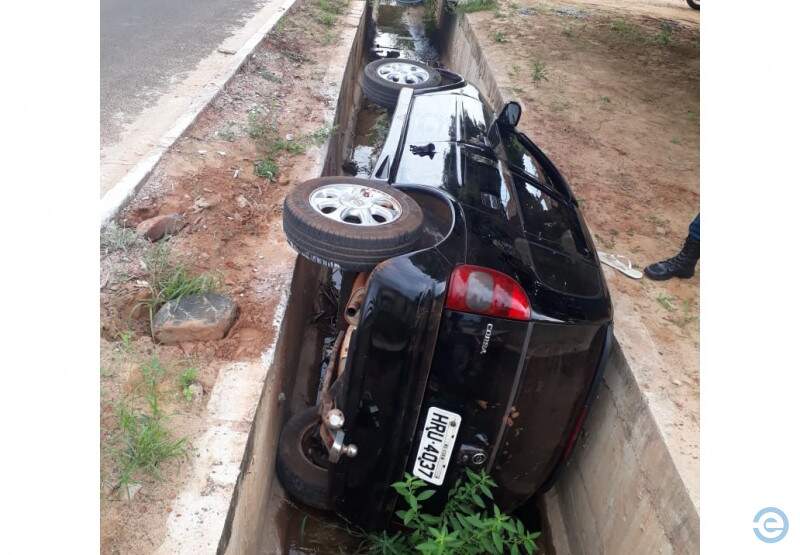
[
  {"x": 205, "y": 317},
  {"x": 154, "y": 229}
]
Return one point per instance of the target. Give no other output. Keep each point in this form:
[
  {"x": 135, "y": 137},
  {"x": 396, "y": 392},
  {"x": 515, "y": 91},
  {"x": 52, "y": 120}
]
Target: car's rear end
[{"x": 479, "y": 351}]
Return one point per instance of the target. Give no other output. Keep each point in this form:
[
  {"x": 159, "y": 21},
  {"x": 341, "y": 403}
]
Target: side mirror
[{"x": 510, "y": 114}]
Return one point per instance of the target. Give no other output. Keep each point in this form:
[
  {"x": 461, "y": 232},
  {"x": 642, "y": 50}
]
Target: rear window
[
  {"x": 559, "y": 250},
  {"x": 547, "y": 221}
]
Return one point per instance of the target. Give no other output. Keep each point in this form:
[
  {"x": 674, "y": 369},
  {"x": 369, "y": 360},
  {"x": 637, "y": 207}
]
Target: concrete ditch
[{"x": 621, "y": 493}]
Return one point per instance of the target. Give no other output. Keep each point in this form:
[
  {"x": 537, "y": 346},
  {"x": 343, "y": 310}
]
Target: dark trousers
[{"x": 694, "y": 228}]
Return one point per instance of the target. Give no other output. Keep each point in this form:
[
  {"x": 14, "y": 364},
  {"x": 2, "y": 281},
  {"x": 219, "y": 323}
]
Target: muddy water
[{"x": 396, "y": 30}]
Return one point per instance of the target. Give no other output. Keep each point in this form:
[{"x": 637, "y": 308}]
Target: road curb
[{"x": 124, "y": 190}]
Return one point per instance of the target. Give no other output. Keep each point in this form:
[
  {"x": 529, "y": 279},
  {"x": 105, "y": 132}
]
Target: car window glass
[
  {"x": 433, "y": 119},
  {"x": 520, "y": 157},
  {"x": 548, "y": 221},
  {"x": 474, "y": 121},
  {"x": 484, "y": 185}
]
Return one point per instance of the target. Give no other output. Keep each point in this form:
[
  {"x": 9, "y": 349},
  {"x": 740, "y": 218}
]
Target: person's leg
[
  {"x": 681, "y": 265},
  {"x": 694, "y": 228}
]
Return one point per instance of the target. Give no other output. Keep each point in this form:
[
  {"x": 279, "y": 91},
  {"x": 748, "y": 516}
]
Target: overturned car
[{"x": 475, "y": 319}]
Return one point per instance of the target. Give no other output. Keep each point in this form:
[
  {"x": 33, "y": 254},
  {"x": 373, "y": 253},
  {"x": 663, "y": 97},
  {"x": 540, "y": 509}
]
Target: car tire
[
  {"x": 694, "y": 4},
  {"x": 302, "y": 478},
  {"x": 350, "y": 243},
  {"x": 380, "y": 86}
]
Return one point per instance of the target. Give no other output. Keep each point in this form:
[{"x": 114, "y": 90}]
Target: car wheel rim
[
  {"x": 403, "y": 73},
  {"x": 355, "y": 204}
]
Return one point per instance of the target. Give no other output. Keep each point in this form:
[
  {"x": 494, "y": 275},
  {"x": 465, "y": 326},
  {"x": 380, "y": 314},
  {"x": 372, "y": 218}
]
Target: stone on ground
[
  {"x": 155, "y": 228},
  {"x": 203, "y": 317}
]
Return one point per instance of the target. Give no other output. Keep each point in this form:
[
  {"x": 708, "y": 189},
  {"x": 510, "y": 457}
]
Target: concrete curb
[{"x": 123, "y": 191}]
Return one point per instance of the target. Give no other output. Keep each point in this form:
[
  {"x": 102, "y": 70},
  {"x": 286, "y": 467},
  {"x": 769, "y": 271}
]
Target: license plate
[{"x": 436, "y": 447}]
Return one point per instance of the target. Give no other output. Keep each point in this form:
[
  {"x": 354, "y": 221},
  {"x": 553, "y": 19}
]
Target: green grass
[
  {"x": 666, "y": 301},
  {"x": 289, "y": 145},
  {"x": 605, "y": 100},
  {"x": 169, "y": 280},
  {"x": 500, "y": 37},
  {"x": 664, "y": 36},
  {"x": 187, "y": 378},
  {"x": 634, "y": 33},
  {"x": 470, "y": 6},
  {"x": 144, "y": 442},
  {"x": 326, "y": 19},
  {"x": 227, "y": 133},
  {"x": 114, "y": 238},
  {"x": 539, "y": 72},
  {"x": 267, "y": 168}
]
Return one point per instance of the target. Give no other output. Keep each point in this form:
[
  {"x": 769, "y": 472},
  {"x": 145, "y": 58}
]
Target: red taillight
[{"x": 485, "y": 291}]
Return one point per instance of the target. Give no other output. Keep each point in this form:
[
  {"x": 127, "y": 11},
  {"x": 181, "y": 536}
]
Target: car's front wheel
[
  {"x": 350, "y": 222},
  {"x": 383, "y": 79},
  {"x": 694, "y": 4}
]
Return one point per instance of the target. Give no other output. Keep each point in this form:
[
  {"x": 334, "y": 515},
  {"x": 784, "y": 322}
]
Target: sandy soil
[
  {"x": 233, "y": 228},
  {"x": 610, "y": 90}
]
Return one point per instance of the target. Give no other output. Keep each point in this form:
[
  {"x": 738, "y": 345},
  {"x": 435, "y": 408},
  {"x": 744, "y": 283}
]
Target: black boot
[{"x": 681, "y": 265}]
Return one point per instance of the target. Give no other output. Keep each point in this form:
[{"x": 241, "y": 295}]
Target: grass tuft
[
  {"x": 470, "y": 6},
  {"x": 500, "y": 37},
  {"x": 267, "y": 168},
  {"x": 539, "y": 71},
  {"x": 145, "y": 442},
  {"x": 114, "y": 238},
  {"x": 170, "y": 281},
  {"x": 187, "y": 378}
]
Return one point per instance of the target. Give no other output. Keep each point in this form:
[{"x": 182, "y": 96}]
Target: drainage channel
[
  {"x": 391, "y": 29},
  {"x": 419, "y": 31}
]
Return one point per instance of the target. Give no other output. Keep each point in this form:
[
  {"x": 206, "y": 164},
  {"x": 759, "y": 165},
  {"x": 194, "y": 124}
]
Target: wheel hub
[
  {"x": 403, "y": 72},
  {"x": 355, "y": 204}
]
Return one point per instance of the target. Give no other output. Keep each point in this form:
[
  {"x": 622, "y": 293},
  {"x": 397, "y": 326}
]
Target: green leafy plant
[
  {"x": 500, "y": 37},
  {"x": 145, "y": 442},
  {"x": 538, "y": 71},
  {"x": 469, "y": 524},
  {"x": 187, "y": 378},
  {"x": 267, "y": 168}
]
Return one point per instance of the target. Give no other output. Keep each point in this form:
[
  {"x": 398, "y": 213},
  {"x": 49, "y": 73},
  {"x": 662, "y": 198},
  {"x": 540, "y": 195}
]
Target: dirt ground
[
  {"x": 273, "y": 109},
  {"x": 610, "y": 90}
]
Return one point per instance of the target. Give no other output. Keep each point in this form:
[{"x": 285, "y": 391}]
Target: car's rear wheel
[
  {"x": 694, "y": 4},
  {"x": 383, "y": 79},
  {"x": 301, "y": 461},
  {"x": 350, "y": 222}
]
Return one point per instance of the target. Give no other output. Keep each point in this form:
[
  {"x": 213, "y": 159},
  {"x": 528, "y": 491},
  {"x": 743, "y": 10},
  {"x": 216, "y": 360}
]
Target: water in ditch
[{"x": 395, "y": 29}]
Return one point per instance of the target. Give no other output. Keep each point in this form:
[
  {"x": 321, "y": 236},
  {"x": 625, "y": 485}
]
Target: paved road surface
[{"x": 146, "y": 45}]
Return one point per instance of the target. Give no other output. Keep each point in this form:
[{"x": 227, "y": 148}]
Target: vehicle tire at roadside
[
  {"x": 382, "y": 80},
  {"x": 350, "y": 222},
  {"x": 303, "y": 479}
]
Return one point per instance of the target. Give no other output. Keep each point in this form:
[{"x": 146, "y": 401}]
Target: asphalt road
[{"x": 145, "y": 45}]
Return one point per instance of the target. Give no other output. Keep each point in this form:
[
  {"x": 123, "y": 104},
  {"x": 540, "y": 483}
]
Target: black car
[{"x": 478, "y": 320}]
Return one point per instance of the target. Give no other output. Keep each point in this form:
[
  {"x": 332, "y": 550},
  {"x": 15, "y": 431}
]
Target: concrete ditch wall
[{"x": 621, "y": 493}]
